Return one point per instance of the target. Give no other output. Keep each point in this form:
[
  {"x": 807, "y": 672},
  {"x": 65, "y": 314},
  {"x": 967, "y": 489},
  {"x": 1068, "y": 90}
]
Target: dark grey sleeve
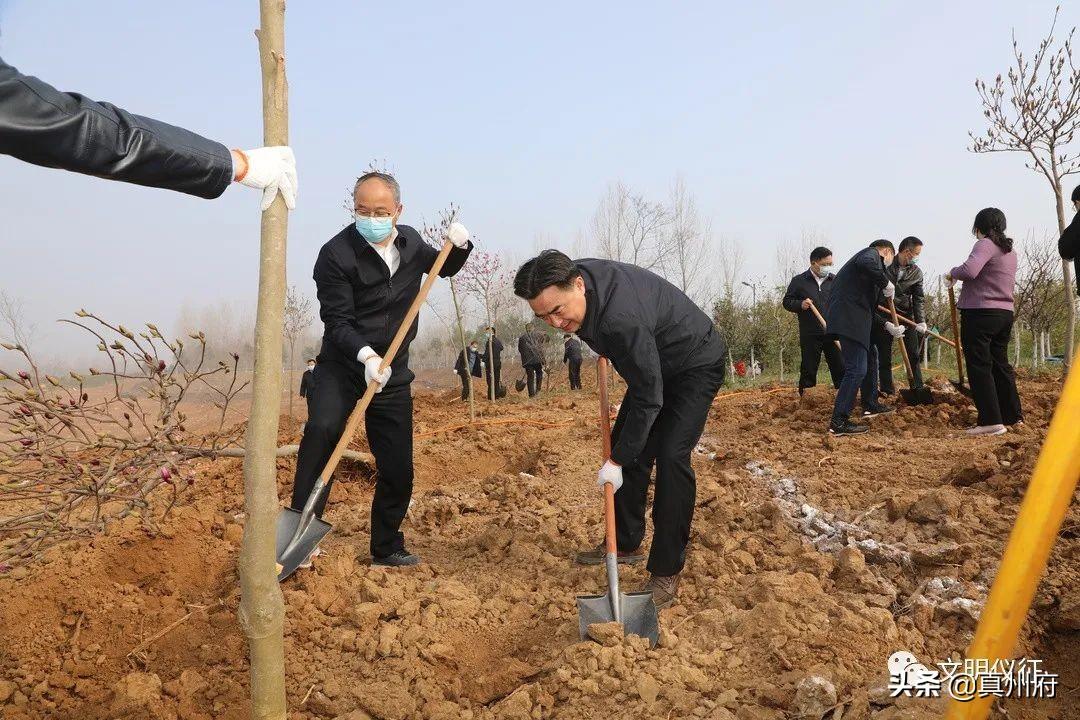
[
  {"x": 633, "y": 353},
  {"x": 41, "y": 125}
]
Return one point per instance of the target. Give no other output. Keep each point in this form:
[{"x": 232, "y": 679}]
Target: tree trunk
[
  {"x": 262, "y": 610},
  {"x": 1034, "y": 350},
  {"x": 292, "y": 364},
  {"x": 781, "y": 363},
  {"x": 464, "y": 349},
  {"x": 1067, "y": 286}
]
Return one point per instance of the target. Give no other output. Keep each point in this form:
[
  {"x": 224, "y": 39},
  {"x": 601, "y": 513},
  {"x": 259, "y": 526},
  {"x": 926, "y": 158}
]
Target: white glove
[
  {"x": 271, "y": 169},
  {"x": 372, "y": 374},
  {"x": 889, "y": 291},
  {"x": 894, "y": 330},
  {"x": 921, "y": 328},
  {"x": 458, "y": 235},
  {"x": 610, "y": 473}
]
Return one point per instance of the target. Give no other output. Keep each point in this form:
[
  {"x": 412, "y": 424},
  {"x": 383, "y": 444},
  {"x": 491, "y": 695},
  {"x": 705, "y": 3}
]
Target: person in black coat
[
  {"x": 673, "y": 361},
  {"x": 1069, "y": 242},
  {"x": 530, "y": 349},
  {"x": 812, "y": 288},
  {"x": 468, "y": 366},
  {"x": 367, "y": 277},
  {"x": 572, "y": 358},
  {"x": 905, "y": 274},
  {"x": 850, "y": 316},
  {"x": 492, "y": 357},
  {"x": 43, "y": 126},
  {"x": 307, "y": 380}
]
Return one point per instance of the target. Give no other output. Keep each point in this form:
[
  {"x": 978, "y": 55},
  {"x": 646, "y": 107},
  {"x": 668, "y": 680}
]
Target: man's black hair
[
  {"x": 883, "y": 244},
  {"x": 1076, "y": 193},
  {"x": 550, "y": 267},
  {"x": 910, "y": 242},
  {"x": 820, "y": 253}
]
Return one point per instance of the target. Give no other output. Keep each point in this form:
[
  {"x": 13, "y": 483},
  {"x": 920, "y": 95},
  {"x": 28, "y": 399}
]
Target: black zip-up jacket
[
  {"x": 802, "y": 286},
  {"x": 496, "y": 345},
  {"x": 910, "y": 297},
  {"x": 1069, "y": 247},
  {"x": 572, "y": 351},
  {"x": 360, "y": 304},
  {"x": 41, "y": 125},
  {"x": 307, "y": 382},
  {"x": 854, "y": 296},
  {"x": 651, "y": 332},
  {"x": 530, "y": 348}
]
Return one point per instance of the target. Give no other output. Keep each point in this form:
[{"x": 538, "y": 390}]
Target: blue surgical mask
[
  {"x": 914, "y": 260},
  {"x": 823, "y": 271},
  {"x": 374, "y": 229}
]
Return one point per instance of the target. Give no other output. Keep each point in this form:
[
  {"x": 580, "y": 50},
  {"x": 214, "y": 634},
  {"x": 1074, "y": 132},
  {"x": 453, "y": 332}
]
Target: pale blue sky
[{"x": 850, "y": 118}]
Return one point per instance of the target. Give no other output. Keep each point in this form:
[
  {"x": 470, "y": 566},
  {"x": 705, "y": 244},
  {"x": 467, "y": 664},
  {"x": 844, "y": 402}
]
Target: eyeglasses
[{"x": 379, "y": 213}]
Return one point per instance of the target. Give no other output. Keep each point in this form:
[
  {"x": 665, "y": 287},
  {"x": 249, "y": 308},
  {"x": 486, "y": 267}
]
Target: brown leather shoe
[
  {"x": 598, "y": 554},
  {"x": 663, "y": 589}
]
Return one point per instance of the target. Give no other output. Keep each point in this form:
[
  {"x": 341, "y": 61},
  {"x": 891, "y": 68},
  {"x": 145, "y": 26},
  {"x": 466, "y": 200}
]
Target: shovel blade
[
  {"x": 639, "y": 614},
  {"x": 961, "y": 388},
  {"x": 917, "y": 396},
  {"x": 287, "y": 523}
]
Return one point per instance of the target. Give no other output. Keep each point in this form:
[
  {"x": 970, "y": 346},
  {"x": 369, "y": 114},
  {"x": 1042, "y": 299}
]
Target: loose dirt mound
[{"x": 812, "y": 560}]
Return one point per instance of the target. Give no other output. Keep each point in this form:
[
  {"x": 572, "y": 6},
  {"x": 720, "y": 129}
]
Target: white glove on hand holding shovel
[
  {"x": 458, "y": 234},
  {"x": 921, "y": 328},
  {"x": 889, "y": 291},
  {"x": 894, "y": 330},
  {"x": 372, "y": 374},
  {"x": 610, "y": 473}
]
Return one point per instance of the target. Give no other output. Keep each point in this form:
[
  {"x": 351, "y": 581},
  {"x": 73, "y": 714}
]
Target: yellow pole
[{"x": 1037, "y": 525}]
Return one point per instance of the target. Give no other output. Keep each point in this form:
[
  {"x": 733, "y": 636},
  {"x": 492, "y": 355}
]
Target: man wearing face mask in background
[
  {"x": 367, "y": 277},
  {"x": 1069, "y": 242},
  {"x": 906, "y": 275},
  {"x": 812, "y": 288},
  {"x": 307, "y": 380}
]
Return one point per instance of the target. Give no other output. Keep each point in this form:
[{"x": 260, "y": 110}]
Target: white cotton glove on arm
[
  {"x": 458, "y": 234},
  {"x": 921, "y": 328},
  {"x": 610, "y": 473},
  {"x": 894, "y": 330},
  {"x": 889, "y": 291},
  {"x": 272, "y": 169},
  {"x": 372, "y": 374}
]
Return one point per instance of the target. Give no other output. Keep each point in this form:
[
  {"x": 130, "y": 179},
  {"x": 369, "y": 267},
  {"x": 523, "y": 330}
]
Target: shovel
[
  {"x": 959, "y": 383},
  {"x": 912, "y": 323},
  {"x": 636, "y": 611},
  {"x": 299, "y": 533},
  {"x": 820, "y": 319},
  {"x": 916, "y": 395}
]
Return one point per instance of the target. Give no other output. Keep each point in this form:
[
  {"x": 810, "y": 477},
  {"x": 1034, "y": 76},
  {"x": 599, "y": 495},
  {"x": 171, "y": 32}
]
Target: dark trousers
[
  {"x": 465, "y": 377},
  {"x": 812, "y": 346},
  {"x": 575, "y": 374},
  {"x": 883, "y": 341},
  {"x": 388, "y": 424},
  {"x": 985, "y": 337},
  {"x": 534, "y": 375},
  {"x": 678, "y": 427},
  {"x": 860, "y": 377},
  {"x": 493, "y": 387}
]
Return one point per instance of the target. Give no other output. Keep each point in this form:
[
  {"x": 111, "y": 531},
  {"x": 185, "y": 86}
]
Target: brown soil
[{"x": 811, "y": 556}]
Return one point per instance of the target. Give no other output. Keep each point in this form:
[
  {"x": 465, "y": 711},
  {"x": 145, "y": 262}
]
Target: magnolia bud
[
  {"x": 26, "y": 442},
  {"x": 81, "y": 313},
  {"x": 161, "y": 366},
  {"x": 6, "y": 346},
  {"x": 53, "y": 380},
  {"x": 165, "y": 474},
  {"x": 24, "y": 375},
  {"x": 76, "y": 376}
]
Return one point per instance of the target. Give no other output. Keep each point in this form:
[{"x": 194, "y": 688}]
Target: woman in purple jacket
[{"x": 986, "y": 320}]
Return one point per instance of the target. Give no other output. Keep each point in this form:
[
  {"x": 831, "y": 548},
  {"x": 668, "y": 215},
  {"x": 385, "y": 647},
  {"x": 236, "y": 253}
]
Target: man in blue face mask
[
  {"x": 906, "y": 275},
  {"x": 367, "y": 277}
]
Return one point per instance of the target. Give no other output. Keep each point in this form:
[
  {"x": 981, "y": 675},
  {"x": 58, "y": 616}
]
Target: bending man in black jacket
[
  {"x": 851, "y": 313},
  {"x": 673, "y": 362},
  {"x": 572, "y": 358},
  {"x": 530, "y": 349},
  {"x": 367, "y": 277},
  {"x": 1069, "y": 242},
  {"x": 910, "y": 302},
  {"x": 41, "y": 125},
  {"x": 812, "y": 288}
]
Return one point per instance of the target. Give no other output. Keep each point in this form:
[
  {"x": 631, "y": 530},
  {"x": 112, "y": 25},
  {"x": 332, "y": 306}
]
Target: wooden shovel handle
[
  {"x": 361, "y": 406},
  {"x": 605, "y": 439},
  {"x": 820, "y": 319},
  {"x": 903, "y": 348},
  {"x": 912, "y": 323},
  {"x": 956, "y": 336}
]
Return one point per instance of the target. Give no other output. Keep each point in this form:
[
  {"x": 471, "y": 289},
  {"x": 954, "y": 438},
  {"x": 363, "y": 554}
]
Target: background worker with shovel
[
  {"x": 850, "y": 316},
  {"x": 673, "y": 361},
  {"x": 905, "y": 274},
  {"x": 367, "y": 277},
  {"x": 812, "y": 288}
]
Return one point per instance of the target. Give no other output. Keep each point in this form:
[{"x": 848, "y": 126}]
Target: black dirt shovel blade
[
  {"x": 287, "y": 523},
  {"x": 961, "y": 388},
  {"x": 917, "y": 396}
]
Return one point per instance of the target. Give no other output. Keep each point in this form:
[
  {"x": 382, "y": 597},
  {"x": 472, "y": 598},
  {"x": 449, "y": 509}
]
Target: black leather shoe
[
  {"x": 402, "y": 558},
  {"x": 846, "y": 427},
  {"x": 875, "y": 410}
]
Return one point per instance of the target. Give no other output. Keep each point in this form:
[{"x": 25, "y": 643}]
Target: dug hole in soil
[{"x": 812, "y": 560}]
